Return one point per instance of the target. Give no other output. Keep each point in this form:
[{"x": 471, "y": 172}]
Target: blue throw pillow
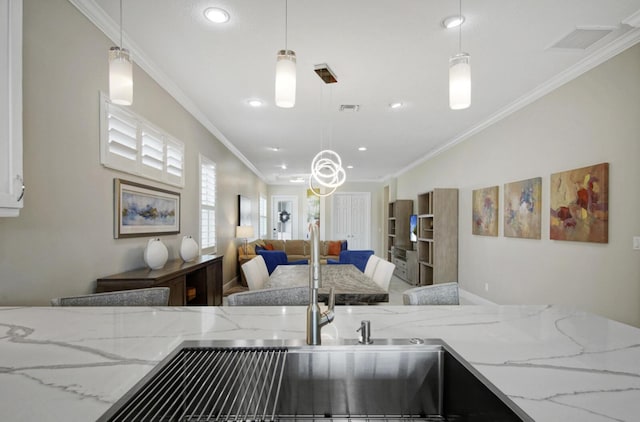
[
  {"x": 259, "y": 248},
  {"x": 343, "y": 247}
]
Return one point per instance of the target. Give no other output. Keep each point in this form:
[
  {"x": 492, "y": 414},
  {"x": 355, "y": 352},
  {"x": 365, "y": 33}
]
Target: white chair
[
  {"x": 152, "y": 296},
  {"x": 370, "y": 268},
  {"x": 255, "y": 272},
  {"x": 383, "y": 273},
  {"x": 436, "y": 294}
]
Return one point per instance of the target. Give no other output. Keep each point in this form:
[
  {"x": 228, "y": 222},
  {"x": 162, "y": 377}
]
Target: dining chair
[
  {"x": 371, "y": 266},
  {"x": 152, "y": 296},
  {"x": 255, "y": 272},
  {"x": 383, "y": 273},
  {"x": 435, "y": 294},
  {"x": 276, "y": 296}
]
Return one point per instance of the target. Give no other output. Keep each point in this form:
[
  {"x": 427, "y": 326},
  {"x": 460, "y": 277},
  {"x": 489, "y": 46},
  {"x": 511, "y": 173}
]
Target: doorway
[
  {"x": 351, "y": 219},
  {"x": 284, "y": 217}
]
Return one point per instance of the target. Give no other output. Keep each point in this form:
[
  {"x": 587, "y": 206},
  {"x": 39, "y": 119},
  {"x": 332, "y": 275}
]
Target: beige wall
[
  {"x": 63, "y": 239},
  {"x": 593, "y": 119}
]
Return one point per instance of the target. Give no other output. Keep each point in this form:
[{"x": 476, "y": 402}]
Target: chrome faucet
[{"x": 316, "y": 319}]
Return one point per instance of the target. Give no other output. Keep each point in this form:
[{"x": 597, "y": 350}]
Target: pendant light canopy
[
  {"x": 286, "y": 71},
  {"x": 460, "y": 74},
  {"x": 120, "y": 73}
]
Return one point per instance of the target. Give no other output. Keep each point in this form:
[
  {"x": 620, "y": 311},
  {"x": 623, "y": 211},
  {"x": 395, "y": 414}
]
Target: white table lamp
[{"x": 244, "y": 232}]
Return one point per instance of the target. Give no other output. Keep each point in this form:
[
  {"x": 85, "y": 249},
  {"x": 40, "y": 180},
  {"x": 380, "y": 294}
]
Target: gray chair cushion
[
  {"x": 153, "y": 296},
  {"x": 437, "y": 294},
  {"x": 277, "y": 296}
]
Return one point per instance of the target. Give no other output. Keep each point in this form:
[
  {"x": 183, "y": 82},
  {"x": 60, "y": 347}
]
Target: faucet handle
[{"x": 328, "y": 315}]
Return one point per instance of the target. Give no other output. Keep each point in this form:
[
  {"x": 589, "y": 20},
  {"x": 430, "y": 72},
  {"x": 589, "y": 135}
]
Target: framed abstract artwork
[
  {"x": 485, "y": 211},
  {"x": 244, "y": 211},
  {"x": 142, "y": 210},
  {"x": 523, "y": 208},
  {"x": 580, "y": 204}
]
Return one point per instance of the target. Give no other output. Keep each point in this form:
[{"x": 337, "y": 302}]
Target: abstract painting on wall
[
  {"x": 485, "y": 211},
  {"x": 523, "y": 208},
  {"x": 580, "y": 204},
  {"x": 142, "y": 210}
]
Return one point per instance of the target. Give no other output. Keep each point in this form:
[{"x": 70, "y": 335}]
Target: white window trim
[
  {"x": 116, "y": 162},
  {"x": 202, "y": 160},
  {"x": 263, "y": 218}
]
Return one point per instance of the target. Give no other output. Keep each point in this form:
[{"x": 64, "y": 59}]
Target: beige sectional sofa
[{"x": 295, "y": 250}]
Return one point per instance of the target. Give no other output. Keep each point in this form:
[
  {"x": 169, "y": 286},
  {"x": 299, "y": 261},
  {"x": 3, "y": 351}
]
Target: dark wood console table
[{"x": 196, "y": 283}]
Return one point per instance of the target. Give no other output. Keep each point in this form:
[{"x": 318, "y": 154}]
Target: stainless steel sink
[{"x": 285, "y": 380}]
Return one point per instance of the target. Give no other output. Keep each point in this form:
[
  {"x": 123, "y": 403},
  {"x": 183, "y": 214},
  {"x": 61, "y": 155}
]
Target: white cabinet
[{"x": 11, "y": 180}]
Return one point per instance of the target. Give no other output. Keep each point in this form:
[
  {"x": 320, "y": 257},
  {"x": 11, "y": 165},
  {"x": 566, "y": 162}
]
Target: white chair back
[
  {"x": 371, "y": 266},
  {"x": 383, "y": 273},
  {"x": 255, "y": 272}
]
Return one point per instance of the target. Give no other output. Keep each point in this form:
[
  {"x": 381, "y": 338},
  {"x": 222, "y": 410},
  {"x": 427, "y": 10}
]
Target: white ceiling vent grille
[{"x": 581, "y": 38}]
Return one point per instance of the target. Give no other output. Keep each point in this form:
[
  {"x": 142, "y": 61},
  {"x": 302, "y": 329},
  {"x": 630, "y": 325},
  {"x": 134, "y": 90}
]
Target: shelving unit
[
  {"x": 398, "y": 225},
  {"x": 437, "y": 245}
]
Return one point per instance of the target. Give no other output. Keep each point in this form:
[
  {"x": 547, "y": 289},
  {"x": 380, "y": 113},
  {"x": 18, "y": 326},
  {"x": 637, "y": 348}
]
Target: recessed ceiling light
[
  {"x": 274, "y": 149},
  {"x": 395, "y": 105},
  {"x": 255, "y": 103},
  {"x": 216, "y": 15},
  {"x": 453, "y": 21},
  {"x": 362, "y": 149},
  {"x": 283, "y": 167},
  {"x": 349, "y": 167}
]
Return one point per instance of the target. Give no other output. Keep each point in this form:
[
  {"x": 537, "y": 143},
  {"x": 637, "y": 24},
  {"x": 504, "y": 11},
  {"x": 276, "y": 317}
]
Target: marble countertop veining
[{"x": 557, "y": 363}]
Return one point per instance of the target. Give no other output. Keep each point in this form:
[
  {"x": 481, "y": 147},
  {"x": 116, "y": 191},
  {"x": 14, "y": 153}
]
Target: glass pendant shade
[
  {"x": 120, "y": 76},
  {"x": 459, "y": 81},
  {"x": 286, "y": 79}
]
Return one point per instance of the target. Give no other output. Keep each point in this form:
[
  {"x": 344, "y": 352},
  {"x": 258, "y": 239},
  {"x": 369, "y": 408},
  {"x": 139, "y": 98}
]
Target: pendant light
[
  {"x": 326, "y": 166},
  {"x": 459, "y": 75},
  {"x": 286, "y": 72},
  {"x": 120, "y": 73}
]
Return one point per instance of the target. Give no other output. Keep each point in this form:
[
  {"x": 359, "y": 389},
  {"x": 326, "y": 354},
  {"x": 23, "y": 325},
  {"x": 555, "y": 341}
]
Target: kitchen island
[{"x": 556, "y": 363}]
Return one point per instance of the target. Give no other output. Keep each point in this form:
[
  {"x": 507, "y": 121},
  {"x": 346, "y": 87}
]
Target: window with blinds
[
  {"x": 263, "y": 217},
  {"x": 133, "y": 145},
  {"x": 207, "y": 203}
]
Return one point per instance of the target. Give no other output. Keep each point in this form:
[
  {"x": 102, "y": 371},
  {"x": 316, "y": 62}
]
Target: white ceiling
[{"x": 382, "y": 51}]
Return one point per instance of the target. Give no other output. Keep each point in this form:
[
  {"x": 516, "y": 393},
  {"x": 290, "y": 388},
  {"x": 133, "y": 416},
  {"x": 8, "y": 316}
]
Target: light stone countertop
[{"x": 556, "y": 363}]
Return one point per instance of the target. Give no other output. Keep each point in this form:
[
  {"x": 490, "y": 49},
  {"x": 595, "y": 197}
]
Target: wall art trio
[{"x": 579, "y": 201}]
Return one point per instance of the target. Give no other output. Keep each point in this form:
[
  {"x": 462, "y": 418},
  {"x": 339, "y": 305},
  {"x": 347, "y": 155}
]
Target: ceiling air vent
[
  {"x": 325, "y": 73},
  {"x": 582, "y": 38},
  {"x": 349, "y": 107}
]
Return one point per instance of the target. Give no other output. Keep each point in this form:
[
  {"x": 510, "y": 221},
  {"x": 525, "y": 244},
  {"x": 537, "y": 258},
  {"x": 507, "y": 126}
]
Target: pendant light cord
[
  {"x": 459, "y": 27},
  {"x": 121, "y": 45},
  {"x": 286, "y": 22}
]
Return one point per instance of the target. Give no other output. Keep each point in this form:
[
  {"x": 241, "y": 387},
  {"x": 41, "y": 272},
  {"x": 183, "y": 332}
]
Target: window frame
[
  {"x": 202, "y": 162},
  {"x": 171, "y": 149}
]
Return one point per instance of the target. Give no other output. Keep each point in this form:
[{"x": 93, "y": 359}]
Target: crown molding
[
  {"x": 615, "y": 47},
  {"x": 111, "y": 29}
]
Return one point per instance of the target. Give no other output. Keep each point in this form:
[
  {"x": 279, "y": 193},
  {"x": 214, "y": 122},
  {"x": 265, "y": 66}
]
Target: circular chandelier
[{"x": 327, "y": 171}]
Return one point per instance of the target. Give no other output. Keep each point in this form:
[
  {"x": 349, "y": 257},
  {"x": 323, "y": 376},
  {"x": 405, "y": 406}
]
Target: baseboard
[
  {"x": 468, "y": 298},
  {"x": 230, "y": 284}
]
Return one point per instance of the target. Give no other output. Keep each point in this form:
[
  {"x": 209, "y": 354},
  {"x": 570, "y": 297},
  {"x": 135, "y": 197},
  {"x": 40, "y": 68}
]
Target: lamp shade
[
  {"x": 120, "y": 76},
  {"x": 244, "y": 232},
  {"x": 286, "y": 79},
  {"x": 459, "y": 81}
]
